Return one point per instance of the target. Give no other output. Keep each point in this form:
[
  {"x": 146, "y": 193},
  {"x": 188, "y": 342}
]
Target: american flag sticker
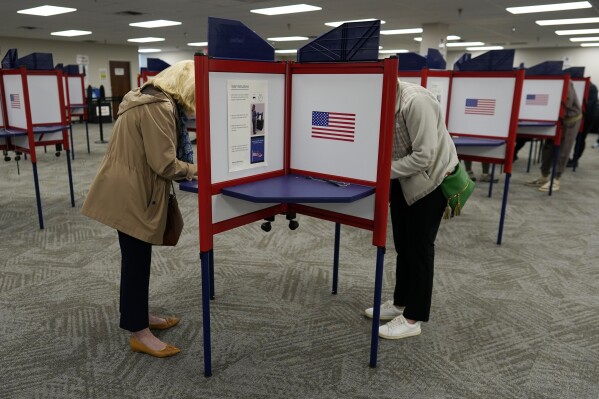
[
  {"x": 333, "y": 125},
  {"x": 480, "y": 106},
  {"x": 15, "y": 101},
  {"x": 537, "y": 99}
]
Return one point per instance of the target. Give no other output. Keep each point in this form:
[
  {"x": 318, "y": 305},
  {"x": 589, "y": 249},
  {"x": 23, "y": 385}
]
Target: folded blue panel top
[
  {"x": 494, "y": 60},
  {"x": 232, "y": 40},
  {"x": 351, "y": 41},
  {"x": 575, "y": 72},
  {"x": 546, "y": 68},
  {"x": 156, "y": 65},
  {"x": 415, "y": 62}
]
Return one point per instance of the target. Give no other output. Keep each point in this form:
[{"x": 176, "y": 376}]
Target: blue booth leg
[
  {"x": 336, "y": 258},
  {"x": 205, "y": 263},
  {"x": 87, "y": 136},
  {"x": 72, "y": 145},
  {"x": 70, "y": 179},
  {"x": 212, "y": 293},
  {"x": 506, "y": 189},
  {"x": 37, "y": 195},
  {"x": 376, "y": 317},
  {"x": 491, "y": 182}
]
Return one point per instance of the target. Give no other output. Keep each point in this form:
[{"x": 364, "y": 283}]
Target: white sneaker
[
  {"x": 545, "y": 187},
  {"x": 388, "y": 311},
  {"x": 538, "y": 182},
  {"x": 399, "y": 328}
]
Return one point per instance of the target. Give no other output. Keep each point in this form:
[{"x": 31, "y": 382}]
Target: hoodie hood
[{"x": 135, "y": 98}]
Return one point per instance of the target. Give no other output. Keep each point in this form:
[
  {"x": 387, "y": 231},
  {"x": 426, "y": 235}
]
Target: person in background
[
  {"x": 588, "y": 120},
  {"x": 423, "y": 155},
  {"x": 485, "y": 177},
  {"x": 149, "y": 147},
  {"x": 571, "y": 124}
]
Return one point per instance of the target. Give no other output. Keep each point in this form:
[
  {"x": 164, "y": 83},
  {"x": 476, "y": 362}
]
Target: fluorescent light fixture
[
  {"x": 576, "y": 32},
  {"x": 285, "y": 51},
  {"x": 286, "y": 9},
  {"x": 450, "y": 37},
  {"x": 589, "y": 44},
  {"x": 149, "y": 50},
  {"x": 71, "y": 33},
  {"x": 401, "y": 31},
  {"x": 146, "y": 39},
  {"x": 198, "y": 44},
  {"x": 585, "y": 39},
  {"x": 393, "y": 51},
  {"x": 465, "y": 44},
  {"x": 570, "y": 21},
  {"x": 287, "y": 38},
  {"x": 46, "y": 11},
  {"x": 339, "y": 23},
  {"x": 484, "y": 48},
  {"x": 549, "y": 7},
  {"x": 159, "y": 23}
]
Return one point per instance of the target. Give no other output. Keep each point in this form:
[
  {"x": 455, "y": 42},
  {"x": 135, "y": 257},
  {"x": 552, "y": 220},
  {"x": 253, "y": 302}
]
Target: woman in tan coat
[{"x": 149, "y": 148}]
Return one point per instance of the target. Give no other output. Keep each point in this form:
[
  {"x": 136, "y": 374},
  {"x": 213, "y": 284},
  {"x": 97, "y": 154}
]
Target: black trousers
[
  {"x": 414, "y": 232},
  {"x": 136, "y": 258}
]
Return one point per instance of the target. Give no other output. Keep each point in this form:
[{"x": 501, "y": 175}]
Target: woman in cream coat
[{"x": 130, "y": 191}]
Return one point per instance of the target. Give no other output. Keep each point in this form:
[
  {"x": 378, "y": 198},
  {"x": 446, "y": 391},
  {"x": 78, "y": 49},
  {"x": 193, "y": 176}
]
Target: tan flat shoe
[
  {"x": 138, "y": 346},
  {"x": 168, "y": 323}
]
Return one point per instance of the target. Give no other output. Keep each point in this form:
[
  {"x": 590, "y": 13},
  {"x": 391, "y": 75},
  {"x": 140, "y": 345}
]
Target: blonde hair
[{"x": 178, "y": 81}]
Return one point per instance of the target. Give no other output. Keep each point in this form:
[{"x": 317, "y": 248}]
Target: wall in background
[{"x": 64, "y": 52}]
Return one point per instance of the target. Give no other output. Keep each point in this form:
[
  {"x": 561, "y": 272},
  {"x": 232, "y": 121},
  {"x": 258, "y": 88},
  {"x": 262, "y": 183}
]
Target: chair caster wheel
[
  {"x": 293, "y": 224},
  {"x": 266, "y": 226}
]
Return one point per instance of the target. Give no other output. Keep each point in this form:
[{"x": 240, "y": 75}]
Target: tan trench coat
[{"x": 130, "y": 190}]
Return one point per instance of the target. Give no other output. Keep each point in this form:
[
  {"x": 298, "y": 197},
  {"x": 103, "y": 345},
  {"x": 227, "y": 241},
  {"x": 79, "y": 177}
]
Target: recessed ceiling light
[
  {"x": 287, "y": 38},
  {"x": 149, "y": 50},
  {"x": 584, "y": 39},
  {"x": 549, "y": 7},
  {"x": 286, "y": 9},
  {"x": 450, "y": 37},
  {"x": 589, "y": 44},
  {"x": 393, "y": 51},
  {"x": 159, "y": 23},
  {"x": 484, "y": 48},
  {"x": 576, "y": 32},
  {"x": 46, "y": 11},
  {"x": 285, "y": 51},
  {"x": 146, "y": 39},
  {"x": 465, "y": 44},
  {"x": 339, "y": 23},
  {"x": 401, "y": 31},
  {"x": 71, "y": 33},
  {"x": 198, "y": 44},
  {"x": 570, "y": 21}
]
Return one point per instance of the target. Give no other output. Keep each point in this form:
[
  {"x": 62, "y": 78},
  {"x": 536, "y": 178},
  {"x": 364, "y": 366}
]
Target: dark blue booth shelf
[
  {"x": 476, "y": 142},
  {"x": 291, "y": 189},
  {"x": 536, "y": 124}
]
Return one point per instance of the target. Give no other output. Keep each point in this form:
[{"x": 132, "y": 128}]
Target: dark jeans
[
  {"x": 136, "y": 257},
  {"x": 414, "y": 232}
]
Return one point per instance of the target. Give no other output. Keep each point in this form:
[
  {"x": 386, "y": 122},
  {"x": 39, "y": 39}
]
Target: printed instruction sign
[{"x": 247, "y": 123}]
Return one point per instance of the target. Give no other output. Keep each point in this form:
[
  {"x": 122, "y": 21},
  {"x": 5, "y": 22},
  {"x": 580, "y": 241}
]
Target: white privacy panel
[
  {"x": 541, "y": 99},
  {"x": 549, "y": 131},
  {"x": 15, "y": 101},
  {"x": 362, "y": 208},
  {"x": 481, "y": 106},
  {"x": 497, "y": 152},
  {"x": 335, "y": 124},
  {"x": 274, "y": 140},
  {"x": 225, "y": 207},
  {"x": 439, "y": 86},
  {"x": 44, "y": 99},
  {"x": 75, "y": 90}
]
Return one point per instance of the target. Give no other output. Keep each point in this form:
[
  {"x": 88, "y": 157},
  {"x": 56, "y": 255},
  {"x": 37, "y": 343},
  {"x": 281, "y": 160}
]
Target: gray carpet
[{"x": 519, "y": 320}]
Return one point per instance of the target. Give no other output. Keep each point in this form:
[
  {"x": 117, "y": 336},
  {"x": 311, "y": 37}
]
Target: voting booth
[
  {"x": 34, "y": 115},
  {"x": 318, "y": 119},
  {"x": 75, "y": 104}
]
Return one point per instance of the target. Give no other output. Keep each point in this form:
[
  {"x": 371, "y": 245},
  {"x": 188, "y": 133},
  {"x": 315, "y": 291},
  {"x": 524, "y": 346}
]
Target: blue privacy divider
[
  {"x": 415, "y": 62},
  {"x": 156, "y": 65},
  {"x": 11, "y": 59},
  {"x": 546, "y": 68},
  {"x": 232, "y": 40},
  {"x": 575, "y": 72},
  {"x": 37, "y": 61},
  {"x": 494, "y": 60},
  {"x": 352, "y": 41}
]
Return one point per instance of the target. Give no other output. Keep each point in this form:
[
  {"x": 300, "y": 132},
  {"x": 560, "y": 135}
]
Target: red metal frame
[{"x": 204, "y": 65}]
